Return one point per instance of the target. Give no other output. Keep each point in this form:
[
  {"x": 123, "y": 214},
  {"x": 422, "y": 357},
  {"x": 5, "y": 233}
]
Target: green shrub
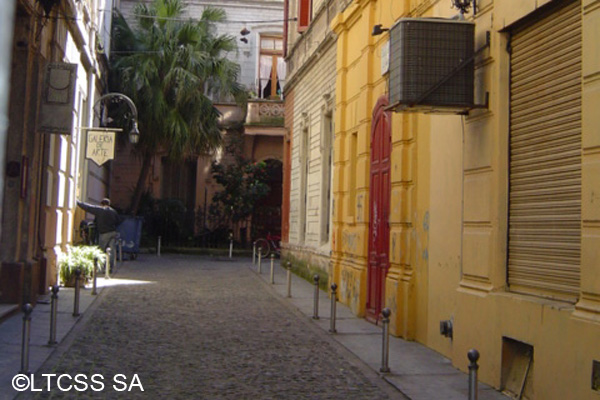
[{"x": 79, "y": 257}]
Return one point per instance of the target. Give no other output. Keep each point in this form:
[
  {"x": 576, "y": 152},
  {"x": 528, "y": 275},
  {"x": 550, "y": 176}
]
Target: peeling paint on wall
[
  {"x": 425, "y": 252},
  {"x": 390, "y": 299},
  {"x": 426, "y": 222},
  {"x": 349, "y": 242},
  {"x": 334, "y": 234},
  {"x": 350, "y": 289}
]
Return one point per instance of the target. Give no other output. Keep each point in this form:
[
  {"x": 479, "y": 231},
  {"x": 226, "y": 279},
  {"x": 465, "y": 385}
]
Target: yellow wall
[
  {"x": 349, "y": 244},
  {"x": 449, "y": 205},
  {"x": 359, "y": 85},
  {"x": 563, "y": 335}
]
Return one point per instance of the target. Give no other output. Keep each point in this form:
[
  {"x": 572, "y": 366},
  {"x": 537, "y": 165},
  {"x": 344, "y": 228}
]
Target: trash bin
[{"x": 130, "y": 231}]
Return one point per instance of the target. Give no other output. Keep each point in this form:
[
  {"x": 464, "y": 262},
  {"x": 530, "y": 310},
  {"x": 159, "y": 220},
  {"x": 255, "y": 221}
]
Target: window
[
  {"x": 286, "y": 22},
  {"x": 326, "y": 164},
  {"x": 304, "y": 168},
  {"x": 272, "y": 70}
]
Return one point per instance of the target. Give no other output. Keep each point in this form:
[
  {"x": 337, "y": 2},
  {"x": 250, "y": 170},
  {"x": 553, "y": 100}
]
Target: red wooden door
[{"x": 379, "y": 229}]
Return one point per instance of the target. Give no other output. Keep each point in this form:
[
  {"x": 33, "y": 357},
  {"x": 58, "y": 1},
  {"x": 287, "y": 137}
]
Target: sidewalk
[
  {"x": 418, "y": 372},
  {"x": 11, "y": 331}
]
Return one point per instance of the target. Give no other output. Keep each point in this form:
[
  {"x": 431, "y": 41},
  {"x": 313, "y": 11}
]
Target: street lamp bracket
[{"x": 134, "y": 134}]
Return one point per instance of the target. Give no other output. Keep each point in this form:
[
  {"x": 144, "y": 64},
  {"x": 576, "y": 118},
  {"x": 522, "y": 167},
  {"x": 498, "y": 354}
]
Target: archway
[
  {"x": 267, "y": 215},
  {"x": 379, "y": 198}
]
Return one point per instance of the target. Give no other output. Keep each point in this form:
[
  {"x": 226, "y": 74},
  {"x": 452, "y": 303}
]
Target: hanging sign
[
  {"x": 100, "y": 146},
  {"x": 58, "y": 94}
]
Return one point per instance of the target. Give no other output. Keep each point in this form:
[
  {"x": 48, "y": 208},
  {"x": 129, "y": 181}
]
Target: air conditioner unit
[{"x": 432, "y": 65}]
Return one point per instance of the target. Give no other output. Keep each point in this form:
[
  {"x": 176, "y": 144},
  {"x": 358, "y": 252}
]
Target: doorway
[{"x": 379, "y": 209}]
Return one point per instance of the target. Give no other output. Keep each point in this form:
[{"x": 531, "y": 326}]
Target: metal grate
[{"x": 425, "y": 53}]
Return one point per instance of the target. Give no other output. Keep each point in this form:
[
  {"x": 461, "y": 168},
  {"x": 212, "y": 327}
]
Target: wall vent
[
  {"x": 432, "y": 65},
  {"x": 596, "y": 375},
  {"x": 517, "y": 369}
]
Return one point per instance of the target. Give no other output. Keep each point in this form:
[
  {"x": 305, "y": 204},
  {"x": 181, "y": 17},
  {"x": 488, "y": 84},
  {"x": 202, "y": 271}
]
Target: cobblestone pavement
[{"x": 201, "y": 328}]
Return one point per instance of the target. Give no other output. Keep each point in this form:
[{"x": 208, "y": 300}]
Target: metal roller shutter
[{"x": 545, "y": 155}]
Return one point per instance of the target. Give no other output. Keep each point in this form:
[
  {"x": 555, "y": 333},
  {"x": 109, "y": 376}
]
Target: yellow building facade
[{"x": 493, "y": 217}]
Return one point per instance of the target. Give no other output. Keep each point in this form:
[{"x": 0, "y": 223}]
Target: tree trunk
[{"x": 141, "y": 184}]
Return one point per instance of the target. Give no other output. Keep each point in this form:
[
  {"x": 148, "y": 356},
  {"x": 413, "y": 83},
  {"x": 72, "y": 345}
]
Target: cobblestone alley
[{"x": 200, "y": 328}]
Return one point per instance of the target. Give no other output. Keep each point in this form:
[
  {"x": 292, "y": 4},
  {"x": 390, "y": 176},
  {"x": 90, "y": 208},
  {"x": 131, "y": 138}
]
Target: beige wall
[{"x": 311, "y": 69}]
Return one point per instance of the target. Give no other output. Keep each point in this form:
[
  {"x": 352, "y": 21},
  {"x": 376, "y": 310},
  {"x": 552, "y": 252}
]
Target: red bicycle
[{"x": 268, "y": 244}]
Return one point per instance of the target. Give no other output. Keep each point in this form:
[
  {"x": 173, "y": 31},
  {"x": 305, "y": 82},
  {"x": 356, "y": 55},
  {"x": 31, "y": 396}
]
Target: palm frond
[
  {"x": 169, "y": 81},
  {"x": 213, "y": 14}
]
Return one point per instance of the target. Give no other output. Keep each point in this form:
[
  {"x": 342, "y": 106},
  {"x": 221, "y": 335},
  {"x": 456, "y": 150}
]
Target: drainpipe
[
  {"x": 89, "y": 121},
  {"x": 6, "y": 37}
]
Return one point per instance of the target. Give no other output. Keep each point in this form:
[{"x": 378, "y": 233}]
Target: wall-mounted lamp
[
  {"x": 244, "y": 40},
  {"x": 134, "y": 134},
  {"x": 47, "y": 5},
  {"x": 378, "y": 30},
  {"x": 463, "y": 5},
  {"x": 244, "y": 32}
]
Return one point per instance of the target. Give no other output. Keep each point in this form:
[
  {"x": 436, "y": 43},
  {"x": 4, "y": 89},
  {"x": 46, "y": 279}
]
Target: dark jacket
[{"x": 107, "y": 218}]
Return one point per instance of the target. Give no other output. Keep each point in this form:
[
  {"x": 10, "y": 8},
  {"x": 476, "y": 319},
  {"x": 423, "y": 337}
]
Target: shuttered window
[
  {"x": 304, "y": 14},
  {"x": 545, "y": 155},
  {"x": 286, "y": 22}
]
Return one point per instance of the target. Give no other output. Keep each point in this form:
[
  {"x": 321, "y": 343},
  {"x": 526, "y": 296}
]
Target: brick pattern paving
[{"x": 205, "y": 329}]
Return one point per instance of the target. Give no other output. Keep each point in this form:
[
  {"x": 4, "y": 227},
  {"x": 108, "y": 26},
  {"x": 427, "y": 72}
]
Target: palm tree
[{"x": 171, "y": 67}]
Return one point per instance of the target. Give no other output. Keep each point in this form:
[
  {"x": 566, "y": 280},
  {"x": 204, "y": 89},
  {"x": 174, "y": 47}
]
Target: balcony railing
[{"x": 265, "y": 112}]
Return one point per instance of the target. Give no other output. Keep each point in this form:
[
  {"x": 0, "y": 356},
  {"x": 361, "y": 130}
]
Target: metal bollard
[
  {"x": 77, "y": 292},
  {"x": 158, "y": 247},
  {"x": 27, "y": 310},
  {"x": 230, "y": 245},
  {"x": 259, "y": 258},
  {"x": 253, "y": 253},
  {"x": 53, "y": 311},
  {"x": 107, "y": 264},
  {"x": 473, "y": 356},
  {"x": 121, "y": 250},
  {"x": 385, "y": 350},
  {"x": 333, "y": 308},
  {"x": 316, "y": 309},
  {"x": 289, "y": 279},
  {"x": 94, "y": 275},
  {"x": 272, "y": 270}
]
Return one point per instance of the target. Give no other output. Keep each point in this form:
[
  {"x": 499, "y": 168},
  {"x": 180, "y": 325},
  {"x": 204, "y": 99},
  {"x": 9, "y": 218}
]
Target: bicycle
[
  {"x": 267, "y": 244},
  {"x": 87, "y": 233}
]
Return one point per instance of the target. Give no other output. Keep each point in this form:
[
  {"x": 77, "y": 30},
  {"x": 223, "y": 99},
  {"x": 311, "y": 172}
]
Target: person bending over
[{"x": 107, "y": 220}]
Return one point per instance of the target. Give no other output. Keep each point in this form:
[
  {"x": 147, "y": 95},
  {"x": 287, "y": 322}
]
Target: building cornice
[
  {"x": 328, "y": 41},
  {"x": 276, "y": 5}
]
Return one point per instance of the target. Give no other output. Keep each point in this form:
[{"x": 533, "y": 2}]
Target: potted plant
[{"x": 79, "y": 257}]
